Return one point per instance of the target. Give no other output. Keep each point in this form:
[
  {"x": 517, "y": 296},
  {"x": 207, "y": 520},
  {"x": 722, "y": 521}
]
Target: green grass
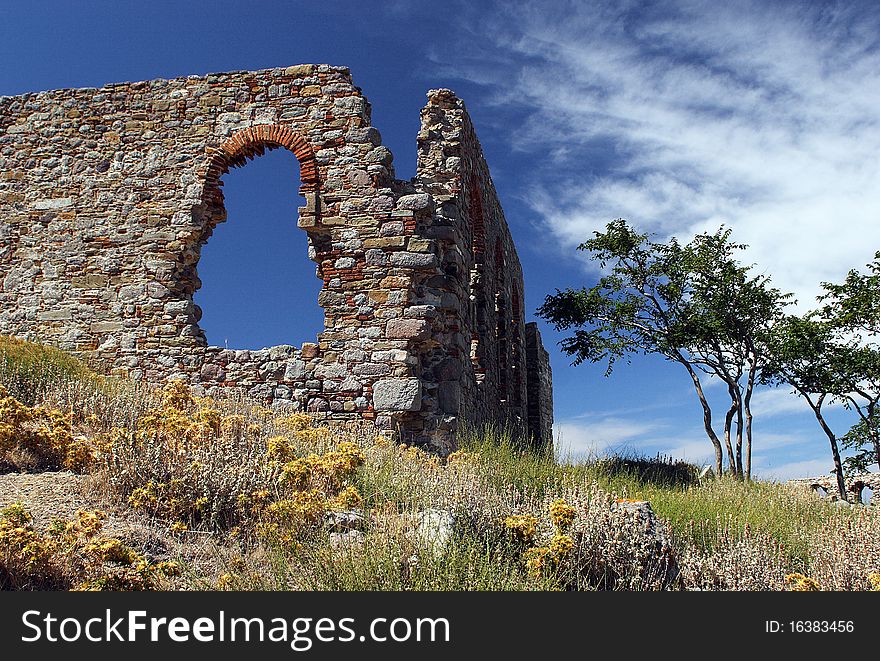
[
  {"x": 28, "y": 369},
  {"x": 471, "y": 564},
  {"x": 696, "y": 512},
  {"x": 702, "y": 515}
]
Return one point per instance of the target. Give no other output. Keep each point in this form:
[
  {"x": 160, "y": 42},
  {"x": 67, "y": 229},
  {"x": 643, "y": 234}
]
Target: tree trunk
[
  {"x": 707, "y": 418},
  {"x": 750, "y": 387},
  {"x": 728, "y": 423},
  {"x": 876, "y": 448},
  {"x": 832, "y": 439},
  {"x": 739, "y": 439},
  {"x": 734, "y": 410}
]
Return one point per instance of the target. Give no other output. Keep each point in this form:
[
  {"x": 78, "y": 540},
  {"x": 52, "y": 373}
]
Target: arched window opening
[{"x": 258, "y": 285}]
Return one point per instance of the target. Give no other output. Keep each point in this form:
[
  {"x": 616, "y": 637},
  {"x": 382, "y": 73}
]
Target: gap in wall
[{"x": 258, "y": 284}]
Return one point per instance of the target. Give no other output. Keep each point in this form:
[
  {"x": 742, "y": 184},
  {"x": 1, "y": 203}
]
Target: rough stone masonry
[{"x": 108, "y": 195}]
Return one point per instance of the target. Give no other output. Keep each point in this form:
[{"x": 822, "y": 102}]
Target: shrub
[
  {"x": 738, "y": 560},
  {"x": 39, "y": 437},
  {"x": 71, "y": 555},
  {"x": 846, "y": 550},
  {"x": 29, "y": 370},
  {"x": 591, "y": 542}
]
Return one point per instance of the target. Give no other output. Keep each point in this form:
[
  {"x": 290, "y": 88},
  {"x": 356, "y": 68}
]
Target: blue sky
[{"x": 678, "y": 116}]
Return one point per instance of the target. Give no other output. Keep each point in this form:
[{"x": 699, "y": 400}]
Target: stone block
[
  {"x": 408, "y": 329},
  {"x": 397, "y": 394}
]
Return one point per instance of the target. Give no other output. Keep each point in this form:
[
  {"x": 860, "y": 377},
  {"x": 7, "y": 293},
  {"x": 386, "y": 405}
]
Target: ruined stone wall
[
  {"x": 108, "y": 195},
  {"x": 487, "y": 376},
  {"x": 540, "y": 386},
  {"x": 826, "y": 486}
]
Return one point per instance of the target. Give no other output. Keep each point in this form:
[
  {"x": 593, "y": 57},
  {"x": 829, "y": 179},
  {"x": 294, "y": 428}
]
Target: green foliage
[
  {"x": 833, "y": 354},
  {"x": 858, "y": 441},
  {"x": 693, "y": 304}
]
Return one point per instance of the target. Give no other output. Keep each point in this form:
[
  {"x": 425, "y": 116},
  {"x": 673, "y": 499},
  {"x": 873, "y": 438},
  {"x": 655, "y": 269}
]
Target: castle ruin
[{"x": 108, "y": 195}]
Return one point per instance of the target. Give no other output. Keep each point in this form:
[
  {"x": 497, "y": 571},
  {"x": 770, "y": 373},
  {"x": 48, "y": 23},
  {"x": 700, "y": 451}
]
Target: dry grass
[{"x": 239, "y": 496}]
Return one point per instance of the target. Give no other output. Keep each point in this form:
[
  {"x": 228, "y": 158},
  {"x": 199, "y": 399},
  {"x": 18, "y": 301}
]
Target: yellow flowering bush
[
  {"x": 182, "y": 419},
  {"x": 293, "y": 423},
  {"x": 279, "y": 448},
  {"x": 327, "y": 472},
  {"x": 347, "y": 499},
  {"x": 42, "y": 435},
  {"x": 562, "y": 514},
  {"x": 169, "y": 500},
  {"x": 799, "y": 583},
  {"x": 71, "y": 554},
  {"x": 311, "y": 486},
  {"x": 285, "y": 521},
  {"x": 27, "y": 559},
  {"x": 522, "y": 526},
  {"x": 547, "y": 559}
]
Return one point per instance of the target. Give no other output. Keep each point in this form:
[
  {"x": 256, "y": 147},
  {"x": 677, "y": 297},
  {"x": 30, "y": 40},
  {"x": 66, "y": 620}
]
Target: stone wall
[
  {"x": 540, "y": 385},
  {"x": 108, "y": 195},
  {"x": 826, "y": 486}
]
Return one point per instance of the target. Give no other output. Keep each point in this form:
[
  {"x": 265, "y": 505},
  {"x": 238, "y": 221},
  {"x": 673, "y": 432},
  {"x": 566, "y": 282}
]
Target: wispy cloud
[
  {"x": 795, "y": 469},
  {"x": 682, "y": 116},
  {"x": 767, "y": 403},
  {"x": 579, "y": 439}
]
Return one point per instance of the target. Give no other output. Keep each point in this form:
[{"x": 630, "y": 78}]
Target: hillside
[{"x": 107, "y": 484}]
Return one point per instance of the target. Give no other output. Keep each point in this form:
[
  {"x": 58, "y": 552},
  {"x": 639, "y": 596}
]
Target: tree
[
  {"x": 693, "y": 304},
  {"x": 860, "y": 441},
  {"x": 832, "y": 354},
  {"x": 803, "y": 353},
  {"x": 853, "y": 308}
]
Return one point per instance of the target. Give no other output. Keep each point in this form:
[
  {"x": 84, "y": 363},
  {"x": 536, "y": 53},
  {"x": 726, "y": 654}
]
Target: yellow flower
[
  {"x": 561, "y": 546},
  {"x": 539, "y": 559},
  {"x": 523, "y": 527},
  {"x": 348, "y": 498},
  {"x": 561, "y": 514},
  {"x": 800, "y": 583}
]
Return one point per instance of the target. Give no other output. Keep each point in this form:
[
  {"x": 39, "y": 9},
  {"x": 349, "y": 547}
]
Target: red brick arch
[{"x": 252, "y": 141}]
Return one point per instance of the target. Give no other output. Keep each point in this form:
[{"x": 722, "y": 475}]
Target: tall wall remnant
[{"x": 108, "y": 195}]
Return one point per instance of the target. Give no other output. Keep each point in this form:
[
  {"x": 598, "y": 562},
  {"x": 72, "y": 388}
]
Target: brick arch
[
  {"x": 234, "y": 152},
  {"x": 247, "y": 143}
]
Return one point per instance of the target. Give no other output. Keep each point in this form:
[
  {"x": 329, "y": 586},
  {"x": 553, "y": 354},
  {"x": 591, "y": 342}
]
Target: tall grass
[
  {"x": 29, "y": 370},
  {"x": 210, "y": 465}
]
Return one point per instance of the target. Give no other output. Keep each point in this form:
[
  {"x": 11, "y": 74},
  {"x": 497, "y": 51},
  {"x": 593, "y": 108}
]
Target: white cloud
[
  {"x": 792, "y": 470},
  {"x": 581, "y": 439},
  {"x": 767, "y": 403},
  {"x": 758, "y": 115}
]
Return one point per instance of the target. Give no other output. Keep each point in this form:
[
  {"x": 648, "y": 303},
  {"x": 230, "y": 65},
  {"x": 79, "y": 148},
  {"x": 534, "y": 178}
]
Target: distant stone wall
[
  {"x": 108, "y": 195},
  {"x": 826, "y": 486},
  {"x": 540, "y": 385}
]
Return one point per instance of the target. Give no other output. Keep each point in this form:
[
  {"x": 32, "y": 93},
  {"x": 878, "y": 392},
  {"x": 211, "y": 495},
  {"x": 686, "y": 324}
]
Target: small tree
[
  {"x": 802, "y": 352},
  {"x": 860, "y": 441},
  {"x": 853, "y": 308},
  {"x": 693, "y": 304}
]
